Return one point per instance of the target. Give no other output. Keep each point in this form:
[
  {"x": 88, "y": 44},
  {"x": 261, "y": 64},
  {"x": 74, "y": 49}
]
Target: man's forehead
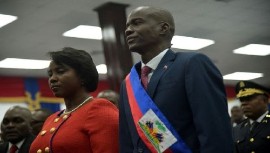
[{"x": 15, "y": 113}]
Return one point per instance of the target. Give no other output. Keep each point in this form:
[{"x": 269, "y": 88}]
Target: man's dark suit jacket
[
  {"x": 189, "y": 90},
  {"x": 257, "y": 140},
  {"x": 24, "y": 148}
]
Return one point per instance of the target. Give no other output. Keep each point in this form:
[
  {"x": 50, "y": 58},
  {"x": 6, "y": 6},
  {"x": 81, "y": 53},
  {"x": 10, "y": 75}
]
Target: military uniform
[
  {"x": 252, "y": 141},
  {"x": 249, "y": 138}
]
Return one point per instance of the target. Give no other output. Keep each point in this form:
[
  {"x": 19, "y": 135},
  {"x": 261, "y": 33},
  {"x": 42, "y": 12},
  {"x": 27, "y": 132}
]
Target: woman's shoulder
[
  {"x": 101, "y": 110},
  {"x": 101, "y": 103}
]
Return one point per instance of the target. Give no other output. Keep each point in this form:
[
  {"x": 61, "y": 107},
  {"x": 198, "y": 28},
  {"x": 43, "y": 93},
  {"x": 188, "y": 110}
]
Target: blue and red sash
[{"x": 140, "y": 103}]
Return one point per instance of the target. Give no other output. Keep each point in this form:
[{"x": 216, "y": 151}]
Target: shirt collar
[
  {"x": 153, "y": 63},
  {"x": 19, "y": 144},
  {"x": 260, "y": 118}
]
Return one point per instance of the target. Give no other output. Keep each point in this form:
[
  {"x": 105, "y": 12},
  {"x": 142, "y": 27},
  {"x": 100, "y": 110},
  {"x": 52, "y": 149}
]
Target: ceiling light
[
  {"x": 102, "y": 69},
  {"x": 16, "y": 63},
  {"x": 190, "y": 43},
  {"x": 242, "y": 76},
  {"x": 254, "y": 49},
  {"x": 6, "y": 19},
  {"x": 85, "y": 31}
]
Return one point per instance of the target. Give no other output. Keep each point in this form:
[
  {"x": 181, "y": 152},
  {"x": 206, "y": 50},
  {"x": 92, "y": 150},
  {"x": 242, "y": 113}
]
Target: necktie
[
  {"x": 144, "y": 75},
  {"x": 13, "y": 149},
  {"x": 253, "y": 126}
]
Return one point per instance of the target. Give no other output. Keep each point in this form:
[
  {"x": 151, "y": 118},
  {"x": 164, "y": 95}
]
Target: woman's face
[{"x": 63, "y": 80}]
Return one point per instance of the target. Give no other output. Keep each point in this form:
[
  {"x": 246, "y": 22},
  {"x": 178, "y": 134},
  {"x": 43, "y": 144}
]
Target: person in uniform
[
  {"x": 87, "y": 125},
  {"x": 253, "y": 134}
]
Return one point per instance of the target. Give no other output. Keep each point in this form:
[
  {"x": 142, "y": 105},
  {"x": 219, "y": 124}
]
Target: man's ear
[{"x": 164, "y": 28}]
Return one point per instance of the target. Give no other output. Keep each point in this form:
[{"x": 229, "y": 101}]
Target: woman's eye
[
  {"x": 49, "y": 74},
  {"x": 61, "y": 71}
]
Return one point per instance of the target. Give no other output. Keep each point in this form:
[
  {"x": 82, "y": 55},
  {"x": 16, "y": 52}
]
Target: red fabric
[
  {"x": 136, "y": 113},
  {"x": 93, "y": 128},
  {"x": 12, "y": 87},
  {"x": 13, "y": 149},
  {"x": 44, "y": 88},
  {"x": 144, "y": 75},
  {"x": 230, "y": 91}
]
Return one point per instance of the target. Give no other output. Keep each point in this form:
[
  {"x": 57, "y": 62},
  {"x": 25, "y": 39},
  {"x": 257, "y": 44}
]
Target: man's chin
[
  {"x": 13, "y": 139},
  {"x": 135, "y": 50}
]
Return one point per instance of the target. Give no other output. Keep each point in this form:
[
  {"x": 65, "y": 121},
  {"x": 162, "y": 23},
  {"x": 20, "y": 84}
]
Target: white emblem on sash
[{"x": 156, "y": 132}]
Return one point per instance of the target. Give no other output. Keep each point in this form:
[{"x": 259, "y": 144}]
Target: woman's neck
[{"x": 74, "y": 101}]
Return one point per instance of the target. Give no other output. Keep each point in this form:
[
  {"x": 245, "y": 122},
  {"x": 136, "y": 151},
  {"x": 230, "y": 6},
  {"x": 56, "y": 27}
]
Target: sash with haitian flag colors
[{"x": 153, "y": 132}]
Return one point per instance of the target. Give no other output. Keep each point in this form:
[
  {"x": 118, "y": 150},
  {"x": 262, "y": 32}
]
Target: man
[
  {"x": 39, "y": 116},
  {"x": 110, "y": 95},
  {"x": 253, "y": 134},
  {"x": 237, "y": 115},
  {"x": 16, "y": 130},
  {"x": 181, "y": 106}
]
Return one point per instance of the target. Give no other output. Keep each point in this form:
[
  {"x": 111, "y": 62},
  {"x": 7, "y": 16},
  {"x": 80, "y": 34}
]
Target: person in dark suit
[
  {"x": 253, "y": 134},
  {"x": 182, "y": 106},
  {"x": 237, "y": 115},
  {"x": 16, "y": 130}
]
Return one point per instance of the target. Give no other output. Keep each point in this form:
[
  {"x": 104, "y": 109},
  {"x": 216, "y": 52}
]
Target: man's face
[
  {"x": 142, "y": 31},
  {"x": 15, "y": 125},
  {"x": 38, "y": 119},
  {"x": 254, "y": 106},
  {"x": 237, "y": 114}
]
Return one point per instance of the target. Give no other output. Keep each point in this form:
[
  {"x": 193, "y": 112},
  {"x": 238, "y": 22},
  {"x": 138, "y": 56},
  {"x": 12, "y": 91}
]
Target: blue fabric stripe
[
  {"x": 31, "y": 85},
  {"x": 145, "y": 103}
]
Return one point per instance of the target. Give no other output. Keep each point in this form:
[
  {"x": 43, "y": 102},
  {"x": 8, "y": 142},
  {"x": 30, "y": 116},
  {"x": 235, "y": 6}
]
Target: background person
[
  {"x": 252, "y": 135},
  {"x": 111, "y": 95},
  {"x": 38, "y": 118},
  {"x": 16, "y": 131},
  {"x": 87, "y": 125},
  {"x": 185, "y": 90},
  {"x": 237, "y": 115}
]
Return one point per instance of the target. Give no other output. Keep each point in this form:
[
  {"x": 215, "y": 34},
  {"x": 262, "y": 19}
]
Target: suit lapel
[
  {"x": 26, "y": 144},
  {"x": 4, "y": 147},
  {"x": 164, "y": 64}
]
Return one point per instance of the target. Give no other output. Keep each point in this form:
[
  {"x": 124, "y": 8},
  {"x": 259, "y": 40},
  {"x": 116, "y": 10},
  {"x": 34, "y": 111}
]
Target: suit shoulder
[
  {"x": 192, "y": 57},
  {"x": 189, "y": 55},
  {"x": 242, "y": 124}
]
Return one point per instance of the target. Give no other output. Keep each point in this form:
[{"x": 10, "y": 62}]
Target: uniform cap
[{"x": 248, "y": 88}]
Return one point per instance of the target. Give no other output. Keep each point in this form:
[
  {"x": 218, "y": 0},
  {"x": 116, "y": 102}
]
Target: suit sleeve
[
  {"x": 207, "y": 99},
  {"x": 125, "y": 139},
  {"x": 102, "y": 125}
]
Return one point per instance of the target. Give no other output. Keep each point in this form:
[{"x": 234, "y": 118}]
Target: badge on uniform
[{"x": 156, "y": 132}]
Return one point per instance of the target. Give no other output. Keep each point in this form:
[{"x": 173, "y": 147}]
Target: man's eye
[
  {"x": 137, "y": 22},
  {"x": 18, "y": 120},
  {"x": 5, "y": 122}
]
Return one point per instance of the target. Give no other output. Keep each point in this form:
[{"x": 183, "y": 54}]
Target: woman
[{"x": 87, "y": 125}]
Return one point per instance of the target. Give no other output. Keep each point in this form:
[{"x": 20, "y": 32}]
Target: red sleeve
[{"x": 102, "y": 125}]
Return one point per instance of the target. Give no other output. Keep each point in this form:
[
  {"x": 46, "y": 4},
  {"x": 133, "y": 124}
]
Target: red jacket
[{"x": 93, "y": 128}]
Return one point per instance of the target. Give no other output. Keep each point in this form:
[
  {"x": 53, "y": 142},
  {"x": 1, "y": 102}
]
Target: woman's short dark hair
[{"x": 81, "y": 62}]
